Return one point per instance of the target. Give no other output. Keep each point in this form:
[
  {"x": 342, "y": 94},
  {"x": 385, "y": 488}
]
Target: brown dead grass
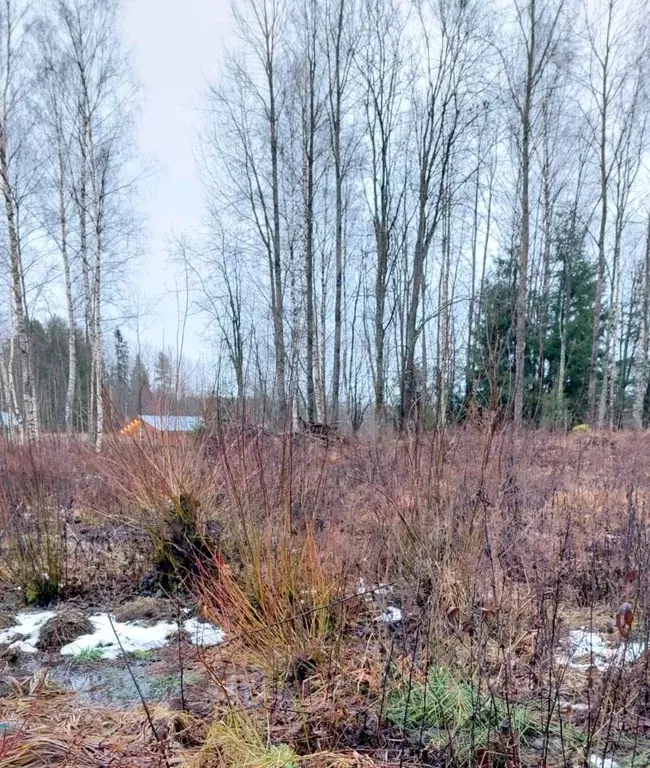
[
  {"x": 62, "y": 629},
  {"x": 7, "y": 620},
  {"x": 146, "y": 609},
  {"x": 492, "y": 549},
  {"x": 49, "y": 729}
]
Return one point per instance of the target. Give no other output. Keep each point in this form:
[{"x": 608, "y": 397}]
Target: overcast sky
[{"x": 177, "y": 46}]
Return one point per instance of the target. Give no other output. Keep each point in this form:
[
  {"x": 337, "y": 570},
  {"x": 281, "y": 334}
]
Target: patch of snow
[
  {"x": 588, "y": 649},
  {"x": 203, "y": 634},
  {"x": 133, "y": 637},
  {"x": 23, "y": 646},
  {"x": 24, "y": 636},
  {"x": 392, "y": 615},
  {"x": 584, "y": 643},
  {"x": 598, "y": 762},
  {"x": 378, "y": 590},
  {"x": 573, "y": 706}
]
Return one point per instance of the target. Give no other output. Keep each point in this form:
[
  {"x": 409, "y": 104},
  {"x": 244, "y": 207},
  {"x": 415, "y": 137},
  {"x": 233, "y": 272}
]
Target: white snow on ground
[
  {"x": 202, "y": 633},
  {"x": 24, "y": 636},
  {"x": 598, "y": 762},
  {"x": 376, "y": 590},
  {"x": 132, "y": 635},
  {"x": 587, "y": 648},
  {"x": 392, "y": 615}
]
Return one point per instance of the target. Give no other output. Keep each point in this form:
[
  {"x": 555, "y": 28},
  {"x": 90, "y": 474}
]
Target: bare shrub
[{"x": 35, "y": 498}]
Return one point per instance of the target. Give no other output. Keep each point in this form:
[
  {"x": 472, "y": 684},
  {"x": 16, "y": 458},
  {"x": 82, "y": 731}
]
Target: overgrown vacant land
[{"x": 453, "y": 599}]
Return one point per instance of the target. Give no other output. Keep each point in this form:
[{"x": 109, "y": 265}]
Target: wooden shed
[{"x": 152, "y": 425}]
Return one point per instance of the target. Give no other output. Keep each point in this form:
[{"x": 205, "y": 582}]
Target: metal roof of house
[{"x": 172, "y": 423}]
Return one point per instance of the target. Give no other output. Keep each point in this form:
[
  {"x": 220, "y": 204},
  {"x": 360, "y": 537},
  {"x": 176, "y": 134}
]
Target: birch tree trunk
[
  {"x": 616, "y": 314},
  {"x": 9, "y": 388},
  {"x": 97, "y": 363},
  {"x": 277, "y": 308},
  {"x": 339, "y": 62},
  {"x": 72, "y": 331},
  {"x": 472, "y": 296},
  {"x": 524, "y": 246},
  {"x": 29, "y": 424},
  {"x": 548, "y": 203},
  {"x": 641, "y": 356},
  {"x": 309, "y": 118},
  {"x": 321, "y": 355},
  {"x": 538, "y": 22},
  {"x": 28, "y": 414},
  {"x": 602, "y": 398},
  {"x": 444, "y": 352},
  {"x": 603, "y": 108}
]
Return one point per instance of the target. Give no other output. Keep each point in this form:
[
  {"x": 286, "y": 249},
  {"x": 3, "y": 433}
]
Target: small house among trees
[{"x": 154, "y": 425}]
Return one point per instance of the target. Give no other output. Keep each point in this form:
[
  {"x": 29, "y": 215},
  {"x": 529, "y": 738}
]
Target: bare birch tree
[
  {"x": 381, "y": 71},
  {"x": 641, "y": 353},
  {"x": 442, "y": 113},
  {"x": 57, "y": 115},
  {"x": 244, "y": 137},
  {"x": 14, "y": 83},
  {"x": 615, "y": 53},
  {"x": 340, "y": 39},
  {"x": 539, "y": 31},
  {"x": 100, "y": 94}
]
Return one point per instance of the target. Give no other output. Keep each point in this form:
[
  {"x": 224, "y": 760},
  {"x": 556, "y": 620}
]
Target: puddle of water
[{"x": 109, "y": 686}]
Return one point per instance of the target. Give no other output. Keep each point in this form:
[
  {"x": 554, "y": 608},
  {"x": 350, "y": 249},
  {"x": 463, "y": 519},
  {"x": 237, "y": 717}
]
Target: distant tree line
[{"x": 131, "y": 385}]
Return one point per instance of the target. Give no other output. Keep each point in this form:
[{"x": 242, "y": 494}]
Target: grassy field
[{"x": 464, "y": 598}]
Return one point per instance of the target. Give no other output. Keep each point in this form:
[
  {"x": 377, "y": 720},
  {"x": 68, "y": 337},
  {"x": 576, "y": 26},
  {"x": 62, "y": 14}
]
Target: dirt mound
[
  {"x": 63, "y": 629},
  {"x": 10, "y": 656},
  {"x": 149, "y": 609},
  {"x": 7, "y": 620}
]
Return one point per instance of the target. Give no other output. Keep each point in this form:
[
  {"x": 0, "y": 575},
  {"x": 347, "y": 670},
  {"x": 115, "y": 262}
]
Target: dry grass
[
  {"x": 49, "y": 729},
  {"x": 63, "y": 629},
  {"x": 287, "y": 599},
  {"x": 491, "y": 548},
  {"x": 146, "y": 609}
]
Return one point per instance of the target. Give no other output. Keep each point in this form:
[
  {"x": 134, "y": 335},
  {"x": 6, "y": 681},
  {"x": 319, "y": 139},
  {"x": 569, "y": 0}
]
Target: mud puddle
[{"x": 106, "y": 685}]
